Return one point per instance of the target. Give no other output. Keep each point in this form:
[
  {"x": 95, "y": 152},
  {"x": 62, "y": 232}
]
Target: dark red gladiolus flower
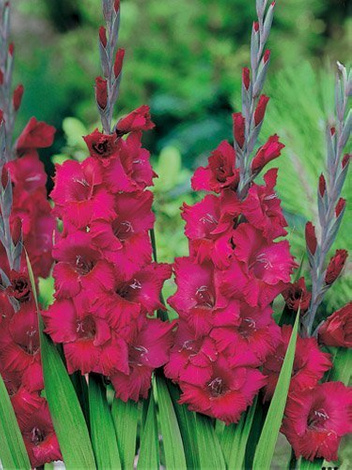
[
  {"x": 137, "y": 120},
  {"x": 35, "y": 135},
  {"x": 337, "y": 329},
  {"x": 265, "y": 154},
  {"x": 335, "y": 266},
  {"x": 101, "y": 145},
  {"x": 296, "y": 296}
]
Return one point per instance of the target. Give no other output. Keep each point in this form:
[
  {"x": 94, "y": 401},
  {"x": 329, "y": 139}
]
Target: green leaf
[
  {"x": 210, "y": 452},
  {"x": 266, "y": 445},
  {"x": 188, "y": 428},
  {"x": 66, "y": 413},
  {"x": 125, "y": 417},
  {"x": 102, "y": 427},
  {"x": 170, "y": 431},
  {"x": 235, "y": 437},
  {"x": 341, "y": 370},
  {"x": 307, "y": 465},
  {"x": 149, "y": 451},
  {"x": 13, "y": 453}
]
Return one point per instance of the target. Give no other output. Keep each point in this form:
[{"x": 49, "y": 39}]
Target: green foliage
[{"x": 12, "y": 450}]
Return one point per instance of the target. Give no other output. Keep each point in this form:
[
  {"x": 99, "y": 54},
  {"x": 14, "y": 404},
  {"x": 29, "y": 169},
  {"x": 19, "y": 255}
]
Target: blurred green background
[{"x": 184, "y": 59}]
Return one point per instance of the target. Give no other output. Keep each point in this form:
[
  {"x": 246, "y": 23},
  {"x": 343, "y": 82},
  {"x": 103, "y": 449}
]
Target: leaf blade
[
  {"x": 102, "y": 428},
  {"x": 13, "y": 452},
  {"x": 125, "y": 418},
  {"x": 266, "y": 445}
]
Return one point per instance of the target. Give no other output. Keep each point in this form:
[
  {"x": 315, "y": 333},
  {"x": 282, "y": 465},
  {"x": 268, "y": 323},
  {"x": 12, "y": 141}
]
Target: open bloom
[
  {"x": 297, "y": 296},
  {"x": 260, "y": 269},
  {"x": 226, "y": 394},
  {"x": 309, "y": 365},
  {"x": 317, "y": 418}
]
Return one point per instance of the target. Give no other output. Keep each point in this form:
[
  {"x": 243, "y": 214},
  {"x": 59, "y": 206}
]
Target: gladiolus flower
[
  {"x": 335, "y": 266},
  {"x": 226, "y": 394},
  {"x": 337, "y": 329},
  {"x": 220, "y": 173},
  {"x": 316, "y": 419},
  {"x": 35, "y": 135},
  {"x": 296, "y": 296},
  {"x": 267, "y": 153},
  {"x": 309, "y": 365},
  {"x": 137, "y": 120}
]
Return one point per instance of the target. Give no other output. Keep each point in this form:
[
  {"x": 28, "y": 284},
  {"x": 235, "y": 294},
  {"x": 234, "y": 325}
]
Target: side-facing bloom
[
  {"x": 337, "y": 329},
  {"x": 221, "y": 171},
  {"x": 317, "y": 418},
  {"x": 265, "y": 154},
  {"x": 335, "y": 266}
]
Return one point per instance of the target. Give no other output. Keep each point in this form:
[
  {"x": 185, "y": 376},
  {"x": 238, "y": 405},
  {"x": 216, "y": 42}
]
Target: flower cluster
[
  {"x": 26, "y": 219},
  {"x": 31, "y": 211},
  {"x": 107, "y": 286},
  {"x": 20, "y": 368},
  {"x": 225, "y": 289},
  {"x": 236, "y": 267}
]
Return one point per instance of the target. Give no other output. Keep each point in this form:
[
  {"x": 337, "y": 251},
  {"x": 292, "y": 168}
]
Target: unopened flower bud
[
  {"x": 322, "y": 185},
  {"x": 16, "y": 230},
  {"x": 266, "y": 56},
  {"x": 335, "y": 266},
  {"x": 118, "y": 62},
  {"x": 1, "y": 77},
  {"x": 340, "y": 206},
  {"x": 256, "y": 26},
  {"x": 332, "y": 131},
  {"x": 11, "y": 49},
  {"x": 273, "y": 4},
  {"x": 17, "y": 97},
  {"x": 117, "y": 5},
  {"x": 346, "y": 159},
  {"x": 102, "y": 36},
  {"x": 101, "y": 92},
  {"x": 1, "y": 116},
  {"x": 311, "y": 238},
  {"x": 260, "y": 110},
  {"x": 246, "y": 77},
  {"x": 238, "y": 128},
  {"x": 266, "y": 153}
]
